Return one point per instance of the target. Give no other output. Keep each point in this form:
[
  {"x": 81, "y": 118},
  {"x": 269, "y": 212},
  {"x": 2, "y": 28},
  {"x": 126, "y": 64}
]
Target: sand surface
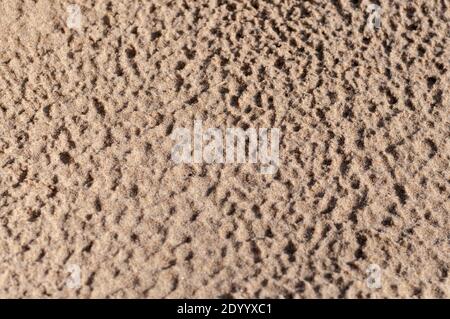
[{"x": 88, "y": 189}]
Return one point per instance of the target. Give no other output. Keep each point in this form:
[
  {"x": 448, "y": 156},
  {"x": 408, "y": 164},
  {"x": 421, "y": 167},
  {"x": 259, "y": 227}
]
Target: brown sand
[{"x": 86, "y": 176}]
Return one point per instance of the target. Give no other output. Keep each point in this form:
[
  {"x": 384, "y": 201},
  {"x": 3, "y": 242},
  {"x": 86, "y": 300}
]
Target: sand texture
[{"x": 87, "y": 180}]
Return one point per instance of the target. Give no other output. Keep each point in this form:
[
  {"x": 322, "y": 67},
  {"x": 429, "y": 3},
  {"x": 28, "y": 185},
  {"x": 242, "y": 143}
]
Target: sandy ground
[{"x": 88, "y": 189}]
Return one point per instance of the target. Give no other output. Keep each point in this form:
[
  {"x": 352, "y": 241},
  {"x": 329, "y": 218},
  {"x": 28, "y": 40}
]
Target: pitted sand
[{"x": 86, "y": 177}]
